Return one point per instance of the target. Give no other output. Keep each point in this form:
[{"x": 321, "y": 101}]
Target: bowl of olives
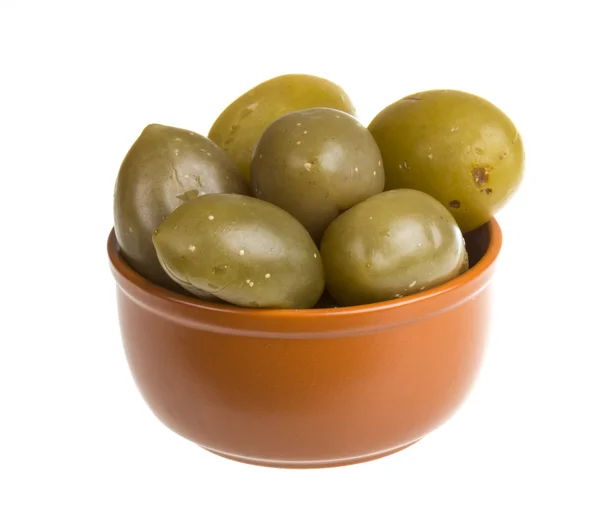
[{"x": 297, "y": 289}]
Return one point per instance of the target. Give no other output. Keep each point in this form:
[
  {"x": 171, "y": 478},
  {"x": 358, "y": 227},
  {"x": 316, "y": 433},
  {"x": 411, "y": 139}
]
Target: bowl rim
[{"x": 122, "y": 269}]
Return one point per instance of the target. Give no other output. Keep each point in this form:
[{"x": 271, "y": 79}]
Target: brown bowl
[{"x": 307, "y": 388}]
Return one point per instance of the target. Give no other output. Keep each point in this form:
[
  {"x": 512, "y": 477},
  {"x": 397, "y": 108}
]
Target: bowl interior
[{"x": 477, "y": 242}]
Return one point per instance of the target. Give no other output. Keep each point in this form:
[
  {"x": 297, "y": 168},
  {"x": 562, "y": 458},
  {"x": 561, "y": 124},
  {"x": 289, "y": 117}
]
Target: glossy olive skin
[
  {"x": 165, "y": 167},
  {"x": 391, "y": 245},
  {"x": 240, "y": 125},
  {"x": 455, "y": 146},
  {"x": 315, "y": 164},
  {"x": 241, "y": 250}
]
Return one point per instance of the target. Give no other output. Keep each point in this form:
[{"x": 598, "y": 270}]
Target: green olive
[
  {"x": 455, "y": 146},
  {"x": 240, "y": 125},
  {"x": 165, "y": 167},
  {"x": 391, "y": 245},
  {"x": 315, "y": 164},
  {"x": 241, "y": 250}
]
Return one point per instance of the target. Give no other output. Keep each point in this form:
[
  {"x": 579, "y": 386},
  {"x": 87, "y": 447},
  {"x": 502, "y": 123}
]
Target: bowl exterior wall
[{"x": 305, "y": 400}]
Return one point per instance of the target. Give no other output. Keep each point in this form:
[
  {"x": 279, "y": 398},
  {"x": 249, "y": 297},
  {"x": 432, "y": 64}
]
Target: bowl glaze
[{"x": 308, "y": 388}]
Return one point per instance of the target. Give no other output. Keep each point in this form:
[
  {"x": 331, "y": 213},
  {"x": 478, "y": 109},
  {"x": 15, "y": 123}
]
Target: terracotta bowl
[{"x": 307, "y": 388}]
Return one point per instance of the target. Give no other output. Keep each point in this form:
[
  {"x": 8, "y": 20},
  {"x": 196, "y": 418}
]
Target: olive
[
  {"x": 241, "y": 250},
  {"x": 239, "y": 126},
  {"x": 165, "y": 167},
  {"x": 458, "y": 147},
  {"x": 391, "y": 245},
  {"x": 316, "y": 163}
]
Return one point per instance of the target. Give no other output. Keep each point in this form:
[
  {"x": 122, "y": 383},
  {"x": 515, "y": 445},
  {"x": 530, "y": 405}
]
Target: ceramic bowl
[{"x": 308, "y": 388}]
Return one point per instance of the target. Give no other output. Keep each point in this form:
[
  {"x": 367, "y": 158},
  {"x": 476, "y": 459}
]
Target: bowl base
[{"x": 309, "y": 464}]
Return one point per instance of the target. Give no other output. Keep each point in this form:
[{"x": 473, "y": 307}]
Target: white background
[{"x": 77, "y": 85}]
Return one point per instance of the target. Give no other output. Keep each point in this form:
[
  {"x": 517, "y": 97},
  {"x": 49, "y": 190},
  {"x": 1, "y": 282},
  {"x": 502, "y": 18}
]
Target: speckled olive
[
  {"x": 391, "y": 245},
  {"x": 241, "y": 250},
  {"x": 239, "y": 126},
  {"x": 455, "y": 146},
  {"x": 165, "y": 167},
  {"x": 315, "y": 164}
]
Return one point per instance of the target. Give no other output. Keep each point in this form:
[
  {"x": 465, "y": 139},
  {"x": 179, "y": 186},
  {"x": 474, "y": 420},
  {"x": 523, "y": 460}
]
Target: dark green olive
[
  {"x": 239, "y": 126},
  {"x": 457, "y": 147},
  {"x": 391, "y": 245},
  {"x": 165, "y": 167},
  {"x": 241, "y": 250},
  {"x": 315, "y": 164}
]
